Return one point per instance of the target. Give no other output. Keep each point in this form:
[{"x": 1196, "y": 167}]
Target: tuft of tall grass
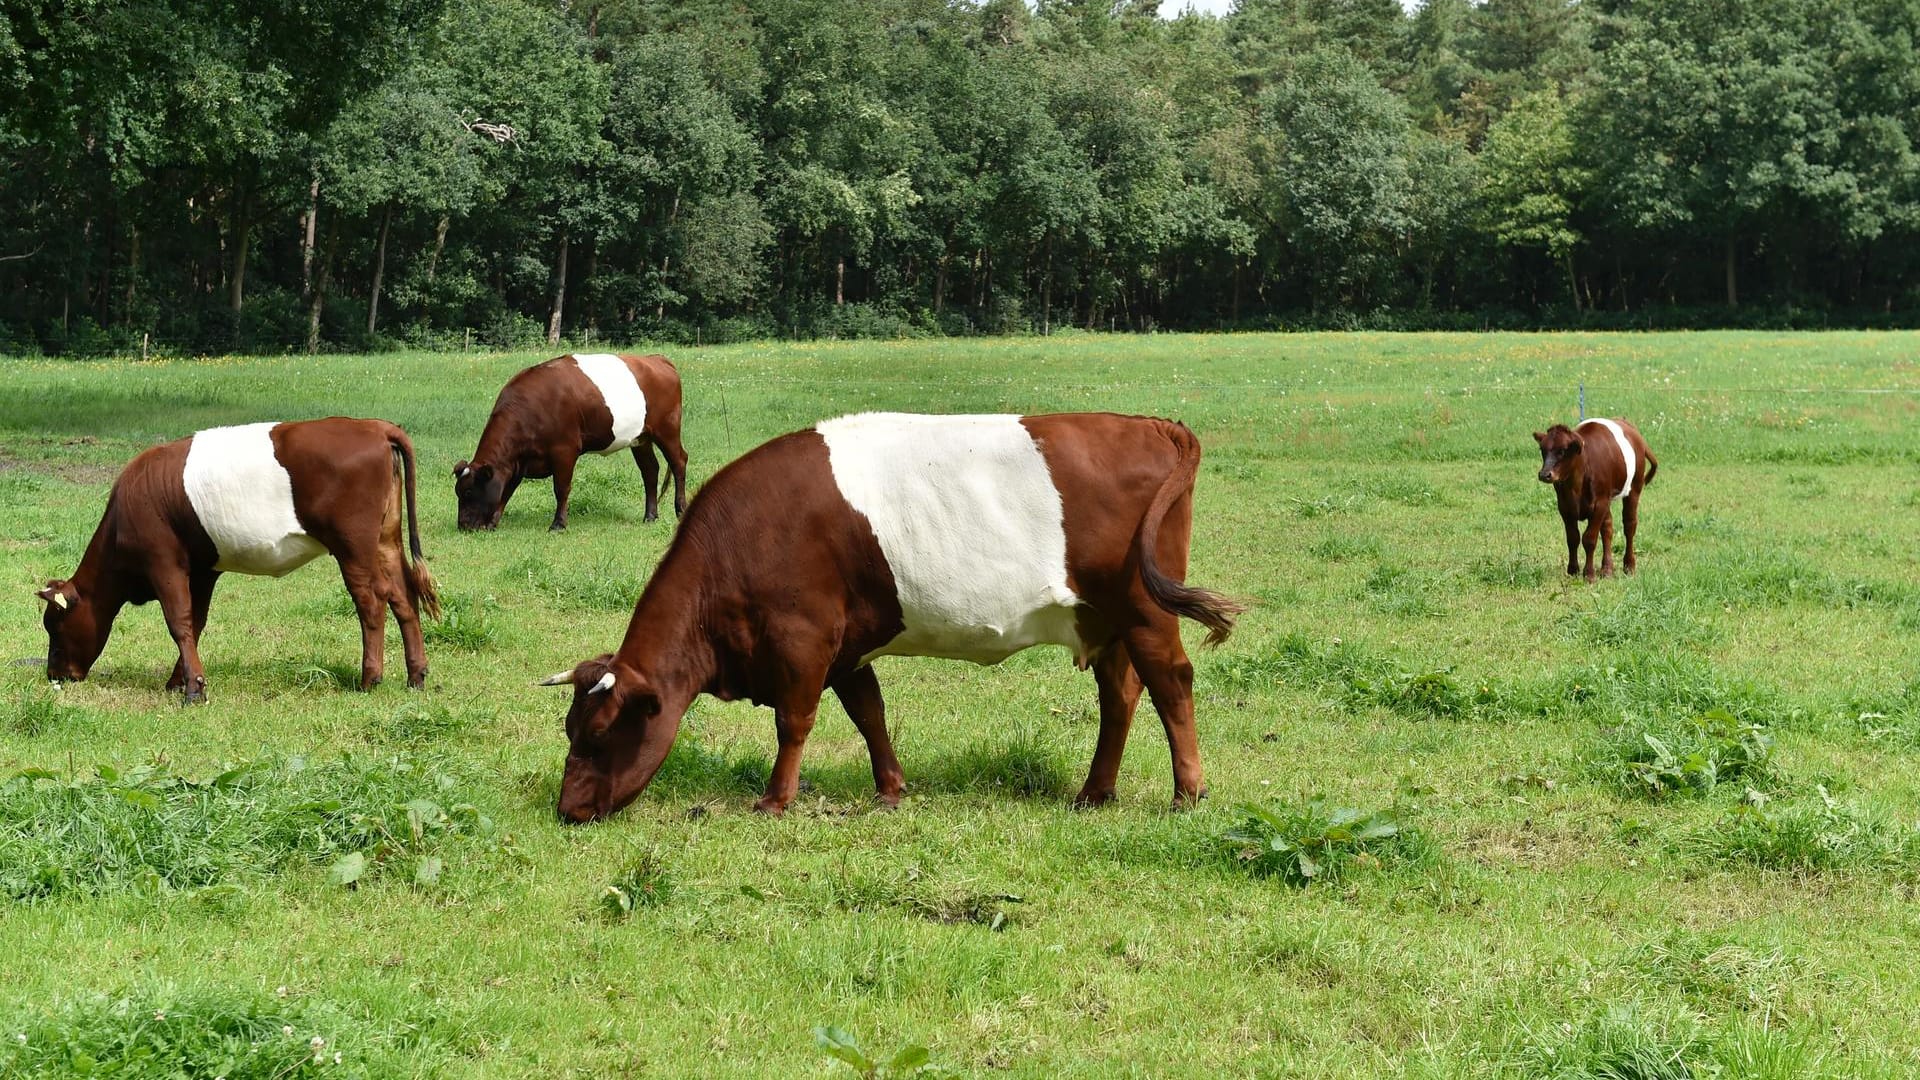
[
  {"x": 914, "y": 892},
  {"x": 1412, "y": 594},
  {"x": 162, "y": 1032},
  {"x": 38, "y": 709},
  {"x": 1512, "y": 570},
  {"x": 1808, "y": 836},
  {"x": 1649, "y": 1041},
  {"x": 465, "y": 624},
  {"x": 1687, "y": 757},
  {"x": 1029, "y": 760},
  {"x": 1649, "y": 612},
  {"x": 605, "y": 586},
  {"x": 147, "y": 829}
]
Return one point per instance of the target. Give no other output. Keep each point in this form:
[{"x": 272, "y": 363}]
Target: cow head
[
  {"x": 74, "y": 634},
  {"x": 618, "y": 733},
  {"x": 1559, "y": 453},
  {"x": 482, "y": 493}
]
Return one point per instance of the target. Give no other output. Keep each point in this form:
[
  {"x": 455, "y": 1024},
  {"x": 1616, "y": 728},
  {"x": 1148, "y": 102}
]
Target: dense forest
[{"x": 214, "y": 175}]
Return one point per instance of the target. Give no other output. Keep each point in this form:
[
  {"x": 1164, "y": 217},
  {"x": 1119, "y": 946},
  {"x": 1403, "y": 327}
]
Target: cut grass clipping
[
  {"x": 1314, "y": 842},
  {"x": 164, "y": 1032},
  {"x": 146, "y": 829}
]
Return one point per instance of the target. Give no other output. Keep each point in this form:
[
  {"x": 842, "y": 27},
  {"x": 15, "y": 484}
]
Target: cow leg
[
  {"x": 1573, "y": 543},
  {"x": 1606, "y": 542},
  {"x": 1591, "y": 540},
  {"x": 1162, "y": 664},
  {"x": 363, "y": 576},
  {"x": 859, "y": 694},
  {"x": 676, "y": 464},
  {"x": 174, "y": 589},
  {"x": 562, "y": 489},
  {"x": 649, "y": 475},
  {"x": 201, "y": 587},
  {"x": 1120, "y": 688},
  {"x": 1630, "y": 520},
  {"x": 400, "y": 602},
  {"x": 793, "y": 722}
]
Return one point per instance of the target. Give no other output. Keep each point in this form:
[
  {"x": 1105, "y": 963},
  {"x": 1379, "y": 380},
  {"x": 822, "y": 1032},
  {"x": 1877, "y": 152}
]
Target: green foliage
[
  {"x": 1314, "y": 842},
  {"x": 841, "y": 1046},
  {"x": 1692, "y": 757},
  {"x": 465, "y": 624}
]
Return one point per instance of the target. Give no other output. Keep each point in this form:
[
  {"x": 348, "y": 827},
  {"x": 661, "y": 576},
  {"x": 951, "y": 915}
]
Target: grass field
[{"x": 1588, "y": 879}]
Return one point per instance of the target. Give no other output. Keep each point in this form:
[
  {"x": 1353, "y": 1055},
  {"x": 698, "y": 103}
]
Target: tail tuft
[
  {"x": 424, "y": 592},
  {"x": 1210, "y": 609}
]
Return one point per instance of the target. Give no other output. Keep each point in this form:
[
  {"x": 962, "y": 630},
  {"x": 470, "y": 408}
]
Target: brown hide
[
  {"x": 351, "y": 480},
  {"x": 1588, "y": 471},
  {"x": 546, "y": 417},
  {"x": 775, "y": 589}
]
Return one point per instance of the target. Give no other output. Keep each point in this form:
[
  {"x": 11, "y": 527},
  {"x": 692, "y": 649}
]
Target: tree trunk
[
  {"x": 1573, "y": 284},
  {"x": 940, "y": 286},
  {"x": 1733, "y": 255},
  {"x": 379, "y": 270},
  {"x": 839, "y": 281},
  {"x": 666, "y": 261},
  {"x": 1046, "y": 291},
  {"x": 559, "y": 292},
  {"x": 586, "y": 283},
  {"x": 133, "y": 273},
  {"x": 319, "y": 298},
  {"x": 242, "y": 230},
  {"x": 307, "y": 222},
  {"x": 439, "y": 245}
]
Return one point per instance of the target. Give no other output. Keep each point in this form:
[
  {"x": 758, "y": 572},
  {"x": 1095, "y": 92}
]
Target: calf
[
  {"x": 1589, "y": 467},
  {"x": 551, "y": 413},
  {"x": 885, "y": 534},
  {"x": 255, "y": 499}
]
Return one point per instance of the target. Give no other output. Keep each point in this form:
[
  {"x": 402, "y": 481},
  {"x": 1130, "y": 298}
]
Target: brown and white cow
[
  {"x": 255, "y": 499},
  {"x": 1589, "y": 467},
  {"x": 966, "y": 537},
  {"x": 553, "y": 412}
]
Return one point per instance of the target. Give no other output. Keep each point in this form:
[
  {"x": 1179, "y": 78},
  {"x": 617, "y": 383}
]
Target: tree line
[{"x": 288, "y": 174}]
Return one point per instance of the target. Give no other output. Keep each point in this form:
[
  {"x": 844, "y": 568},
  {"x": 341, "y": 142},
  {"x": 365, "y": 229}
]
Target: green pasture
[{"x": 1657, "y": 827}]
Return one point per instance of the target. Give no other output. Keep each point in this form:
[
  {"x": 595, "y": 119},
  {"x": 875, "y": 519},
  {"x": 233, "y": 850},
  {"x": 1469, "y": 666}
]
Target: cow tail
[
  {"x": 1204, "y": 606},
  {"x": 1652, "y": 467},
  {"x": 420, "y": 586}
]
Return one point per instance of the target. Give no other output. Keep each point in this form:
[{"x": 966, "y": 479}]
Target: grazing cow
[
  {"x": 1589, "y": 468},
  {"x": 551, "y": 413},
  {"x": 966, "y": 537},
  {"x": 254, "y": 499}
]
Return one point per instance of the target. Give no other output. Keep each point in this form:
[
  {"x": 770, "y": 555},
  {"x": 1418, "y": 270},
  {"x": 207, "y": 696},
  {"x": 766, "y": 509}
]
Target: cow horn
[
  {"x": 605, "y": 684},
  {"x": 558, "y": 678}
]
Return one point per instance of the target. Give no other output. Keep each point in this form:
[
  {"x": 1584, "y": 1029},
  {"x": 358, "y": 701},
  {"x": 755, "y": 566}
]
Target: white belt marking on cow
[
  {"x": 243, "y": 497},
  {"x": 1626, "y": 451},
  {"x": 971, "y": 525},
  {"x": 621, "y": 391}
]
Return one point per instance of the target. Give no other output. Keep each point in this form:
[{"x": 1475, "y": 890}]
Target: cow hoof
[
  {"x": 1092, "y": 800},
  {"x": 770, "y": 807},
  {"x": 417, "y": 682},
  {"x": 1189, "y": 801},
  {"x": 649, "y": 519},
  {"x": 887, "y": 801},
  {"x": 367, "y": 685},
  {"x": 558, "y": 526},
  {"x": 195, "y": 694}
]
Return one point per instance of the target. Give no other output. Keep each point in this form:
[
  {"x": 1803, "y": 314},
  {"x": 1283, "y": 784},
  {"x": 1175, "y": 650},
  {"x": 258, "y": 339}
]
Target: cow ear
[
  {"x": 642, "y": 705},
  {"x": 1574, "y": 446},
  {"x": 55, "y": 593},
  {"x": 459, "y": 468},
  {"x": 484, "y": 473},
  {"x": 1540, "y": 437}
]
